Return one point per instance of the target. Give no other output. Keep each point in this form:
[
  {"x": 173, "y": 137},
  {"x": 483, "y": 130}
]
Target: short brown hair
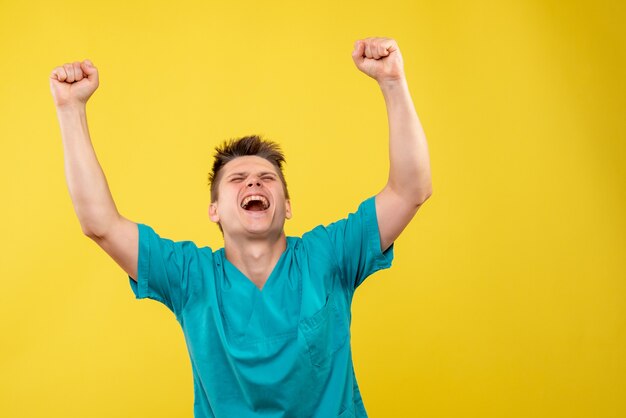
[{"x": 241, "y": 147}]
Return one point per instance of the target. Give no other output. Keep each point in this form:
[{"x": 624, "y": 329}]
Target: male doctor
[{"x": 267, "y": 317}]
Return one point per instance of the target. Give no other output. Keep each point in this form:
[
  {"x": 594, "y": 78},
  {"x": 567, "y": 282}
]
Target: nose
[{"x": 253, "y": 182}]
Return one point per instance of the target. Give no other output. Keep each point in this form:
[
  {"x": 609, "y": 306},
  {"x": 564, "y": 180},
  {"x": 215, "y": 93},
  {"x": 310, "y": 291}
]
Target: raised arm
[
  {"x": 72, "y": 85},
  {"x": 409, "y": 183}
]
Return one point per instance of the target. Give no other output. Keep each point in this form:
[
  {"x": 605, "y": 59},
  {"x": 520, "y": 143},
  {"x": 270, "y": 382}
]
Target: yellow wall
[{"x": 507, "y": 293}]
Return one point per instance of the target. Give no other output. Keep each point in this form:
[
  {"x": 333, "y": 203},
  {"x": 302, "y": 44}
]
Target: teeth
[{"x": 255, "y": 197}]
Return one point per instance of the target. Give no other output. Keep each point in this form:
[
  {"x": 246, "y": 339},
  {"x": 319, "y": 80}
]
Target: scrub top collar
[{"x": 233, "y": 272}]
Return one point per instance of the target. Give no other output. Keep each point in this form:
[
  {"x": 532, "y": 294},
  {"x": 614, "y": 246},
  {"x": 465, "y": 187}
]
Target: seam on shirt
[
  {"x": 143, "y": 269},
  {"x": 189, "y": 281},
  {"x": 144, "y": 249},
  {"x": 342, "y": 273},
  {"x": 200, "y": 253},
  {"x": 382, "y": 259}
]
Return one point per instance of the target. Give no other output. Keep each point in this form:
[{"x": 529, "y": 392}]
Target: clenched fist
[
  {"x": 379, "y": 58},
  {"x": 73, "y": 83}
]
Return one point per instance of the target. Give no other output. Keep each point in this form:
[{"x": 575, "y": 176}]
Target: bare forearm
[
  {"x": 86, "y": 182},
  {"x": 409, "y": 168}
]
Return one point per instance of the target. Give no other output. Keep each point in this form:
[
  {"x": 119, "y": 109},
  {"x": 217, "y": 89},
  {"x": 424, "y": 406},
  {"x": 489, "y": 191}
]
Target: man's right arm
[{"x": 89, "y": 191}]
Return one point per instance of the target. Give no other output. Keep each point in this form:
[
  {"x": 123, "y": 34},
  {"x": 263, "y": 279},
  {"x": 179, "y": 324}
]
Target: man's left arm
[{"x": 409, "y": 183}]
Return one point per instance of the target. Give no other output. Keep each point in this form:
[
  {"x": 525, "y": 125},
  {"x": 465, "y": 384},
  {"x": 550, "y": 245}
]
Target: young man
[{"x": 267, "y": 317}]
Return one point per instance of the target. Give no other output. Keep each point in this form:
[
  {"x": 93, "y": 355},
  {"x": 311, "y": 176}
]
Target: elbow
[
  {"x": 428, "y": 193},
  {"x": 92, "y": 231},
  {"x": 422, "y": 196},
  {"x": 98, "y": 227},
  {"x": 86, "y": 228},
  {"x": 415, "y": 196},
  {"x": 89, "y": 233}
]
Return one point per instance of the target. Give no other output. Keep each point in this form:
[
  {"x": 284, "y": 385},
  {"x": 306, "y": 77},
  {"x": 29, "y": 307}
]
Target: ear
[
  {"x": 213, "y": 215},
  {"x": 288, "y": 209}
]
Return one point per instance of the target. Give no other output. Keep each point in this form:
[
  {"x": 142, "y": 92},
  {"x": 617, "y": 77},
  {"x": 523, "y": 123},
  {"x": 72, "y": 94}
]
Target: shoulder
[
  {"x": 313, "y": 243},
  {"x": 363, "y": 217},
  {"x": 153, "y": 238}
]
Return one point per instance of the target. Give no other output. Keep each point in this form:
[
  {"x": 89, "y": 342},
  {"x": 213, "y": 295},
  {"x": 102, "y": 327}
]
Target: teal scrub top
[{"x": 283, "y": 351}]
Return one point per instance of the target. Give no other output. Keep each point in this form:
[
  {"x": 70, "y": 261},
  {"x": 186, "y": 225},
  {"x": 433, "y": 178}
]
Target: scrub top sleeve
[
  {"x": 356, "y": 241},
  {"x": 163, "y": 269}
]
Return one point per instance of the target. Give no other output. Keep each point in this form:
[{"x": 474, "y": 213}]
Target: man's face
[{"x": 251, "y": 199}]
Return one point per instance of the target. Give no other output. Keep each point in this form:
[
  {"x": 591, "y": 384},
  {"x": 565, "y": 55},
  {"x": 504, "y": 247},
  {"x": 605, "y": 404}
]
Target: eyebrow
[{"x": 244, "y": 174}]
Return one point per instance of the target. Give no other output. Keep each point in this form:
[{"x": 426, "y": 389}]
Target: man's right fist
[{"x": 74, "y": 83}]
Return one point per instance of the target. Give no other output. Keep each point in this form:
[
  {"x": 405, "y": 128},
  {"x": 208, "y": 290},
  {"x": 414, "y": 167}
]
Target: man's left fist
[{"x": 379, "y": 58}]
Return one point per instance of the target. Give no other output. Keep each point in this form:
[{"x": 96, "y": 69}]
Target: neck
[{"x": 255, "y": 258}]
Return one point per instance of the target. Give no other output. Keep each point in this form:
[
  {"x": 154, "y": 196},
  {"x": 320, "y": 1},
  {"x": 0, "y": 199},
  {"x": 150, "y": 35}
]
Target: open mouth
[{"x": 255, "y": 203}]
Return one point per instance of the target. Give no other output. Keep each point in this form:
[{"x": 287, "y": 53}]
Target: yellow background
[{"x": 507, "y": 294}]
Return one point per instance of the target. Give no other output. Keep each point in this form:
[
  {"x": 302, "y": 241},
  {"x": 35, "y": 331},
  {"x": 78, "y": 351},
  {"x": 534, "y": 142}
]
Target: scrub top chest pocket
[{"x": 325, "y": 332}]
